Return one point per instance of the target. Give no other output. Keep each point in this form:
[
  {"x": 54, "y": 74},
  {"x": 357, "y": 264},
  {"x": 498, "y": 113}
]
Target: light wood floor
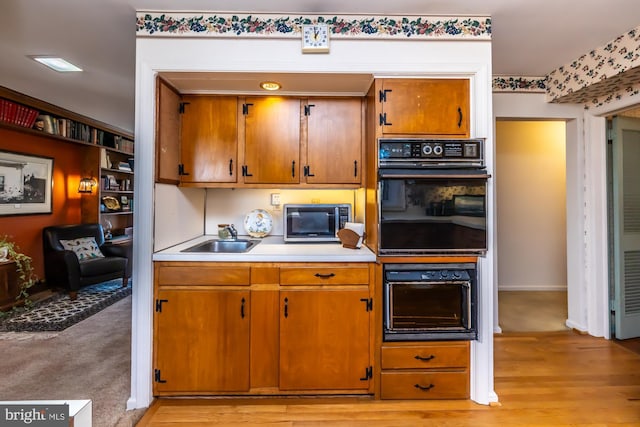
[{"x": 542, "y": 379}]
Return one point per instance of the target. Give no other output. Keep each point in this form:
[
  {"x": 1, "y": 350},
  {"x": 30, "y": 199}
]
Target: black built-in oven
[
  {"x": 424, "y": 302},
  {"x": 432, "y": 196}
]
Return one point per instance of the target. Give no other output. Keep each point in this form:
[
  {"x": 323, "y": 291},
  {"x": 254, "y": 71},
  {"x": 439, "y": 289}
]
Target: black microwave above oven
[{"x": 314, "y": 222}]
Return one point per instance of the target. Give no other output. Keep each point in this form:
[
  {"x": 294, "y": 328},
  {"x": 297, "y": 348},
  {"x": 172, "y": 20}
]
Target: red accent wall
[{"x": 26, "y": 230}]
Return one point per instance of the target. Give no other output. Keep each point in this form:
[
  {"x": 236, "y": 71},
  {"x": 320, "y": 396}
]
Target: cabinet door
[
  {"x": 201, "y": 341},
  {"x": 334, "y": 141},
  {"x": 167, "y": 134},
  {"x": 324, "y": 340},
  {"x": 425, "y": 106},
  {"x": 272, "y": 140},
  {"x": 209, "y": 139}
]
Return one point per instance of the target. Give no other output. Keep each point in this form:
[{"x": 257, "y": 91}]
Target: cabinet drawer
[
  {"x": 324, "y": 275},
  {"x": 203, "y": 275},
  {"x": 424, "y": 385},
  {"x": 446, "y": 355}
]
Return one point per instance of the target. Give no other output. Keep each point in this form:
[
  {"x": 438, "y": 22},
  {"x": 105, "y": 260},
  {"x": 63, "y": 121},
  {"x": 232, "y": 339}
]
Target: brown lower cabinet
[
  {"x": 263, "y": 329},
  {"x": 203, "y": 341},
  {"x": 433, "y": 370},
  {"x": 288, "y": 329},
  {"x": 324, "y": 340}
]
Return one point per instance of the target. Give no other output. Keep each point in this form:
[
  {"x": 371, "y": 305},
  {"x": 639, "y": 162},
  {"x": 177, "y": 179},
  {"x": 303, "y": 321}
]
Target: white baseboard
[{"x": 573, "y": 325}]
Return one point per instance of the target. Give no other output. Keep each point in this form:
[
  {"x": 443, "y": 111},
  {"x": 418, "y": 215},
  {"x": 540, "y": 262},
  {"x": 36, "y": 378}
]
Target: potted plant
[{"x": 9, "y": 251}]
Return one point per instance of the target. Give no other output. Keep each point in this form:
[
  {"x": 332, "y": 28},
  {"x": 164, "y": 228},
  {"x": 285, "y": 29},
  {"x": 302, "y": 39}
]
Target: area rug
[{"x": 59, "y": 312}]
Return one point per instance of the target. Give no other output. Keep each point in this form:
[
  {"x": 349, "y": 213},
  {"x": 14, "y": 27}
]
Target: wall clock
[{"x": 315, "y": 38}]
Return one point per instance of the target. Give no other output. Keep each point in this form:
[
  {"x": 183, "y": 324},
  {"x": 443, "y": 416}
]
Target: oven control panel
[
  {"x": 464, "y": 151},
  {"x": 440, "y": 275}
]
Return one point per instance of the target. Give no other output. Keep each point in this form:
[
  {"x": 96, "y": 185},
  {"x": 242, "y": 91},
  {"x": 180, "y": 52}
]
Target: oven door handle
[
  {"x": 432, "y": 173},
  {"x": 467, "y": 285},
  {"x": 387, "y": 306}
]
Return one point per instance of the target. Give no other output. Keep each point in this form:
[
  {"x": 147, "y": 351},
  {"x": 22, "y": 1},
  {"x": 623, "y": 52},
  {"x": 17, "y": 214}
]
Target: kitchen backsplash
[{"x": 230, "y": 206}]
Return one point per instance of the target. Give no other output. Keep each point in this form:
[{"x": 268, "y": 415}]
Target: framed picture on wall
[{"x": 26, "y": 184}]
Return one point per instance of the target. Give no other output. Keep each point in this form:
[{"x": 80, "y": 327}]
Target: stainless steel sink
[{"x": 223, "y": 246}]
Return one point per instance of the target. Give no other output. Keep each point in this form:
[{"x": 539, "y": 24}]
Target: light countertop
[{"x": 270, "y": 249}]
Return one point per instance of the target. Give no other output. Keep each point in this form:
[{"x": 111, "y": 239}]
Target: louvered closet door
[{"x": 626, "y": 226}]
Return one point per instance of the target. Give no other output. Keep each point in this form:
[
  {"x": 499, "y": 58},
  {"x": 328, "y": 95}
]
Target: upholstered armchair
[{"x": 75, "y": 256}]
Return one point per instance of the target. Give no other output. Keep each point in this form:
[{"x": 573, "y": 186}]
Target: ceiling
[{"x": 529, "y": 38}]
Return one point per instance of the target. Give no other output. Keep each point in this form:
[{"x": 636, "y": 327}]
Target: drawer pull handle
[
  {"x": 325, "y": 276},
  {"x": 425, "y": 359},
  {"x": 423, "y": 388}
]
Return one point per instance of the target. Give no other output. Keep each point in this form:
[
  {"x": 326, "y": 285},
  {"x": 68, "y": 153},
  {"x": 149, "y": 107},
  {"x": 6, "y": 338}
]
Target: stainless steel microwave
[{"x": 314, "y": 222}]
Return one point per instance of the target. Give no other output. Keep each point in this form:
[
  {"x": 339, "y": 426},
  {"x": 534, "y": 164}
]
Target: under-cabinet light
[
  {"x": 270, "y": 85},
  {"x": 57, "y": 64}
]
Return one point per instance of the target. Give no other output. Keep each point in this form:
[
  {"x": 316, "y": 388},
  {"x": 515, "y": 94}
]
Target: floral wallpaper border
[
  {"x": 604, "y": 75},
  {"x": 341, "y": 26},
  {"x": 623, "y": 86},
  {"x": 519, "y": 84},
  {"x": 613, "y": 59}
]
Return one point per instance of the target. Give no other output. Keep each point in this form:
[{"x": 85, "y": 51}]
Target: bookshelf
[{"x": 110, "y": 153}]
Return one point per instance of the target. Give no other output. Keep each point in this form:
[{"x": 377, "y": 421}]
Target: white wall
[
  {"x": 229, "y": 206},
  {"x": 531, "y": 198},
  {"x": 187, "y": 206},
  {"x": 470, "y": 59}
]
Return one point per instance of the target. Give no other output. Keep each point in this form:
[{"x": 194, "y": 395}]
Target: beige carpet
[
  {"x": 89, "y": 360},
  {"x": 532, "y": 311}
]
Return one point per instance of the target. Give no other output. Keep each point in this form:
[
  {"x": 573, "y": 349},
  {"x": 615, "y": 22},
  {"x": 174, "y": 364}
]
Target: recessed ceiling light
[
  {"x": 57, "y": 64},
  {"x": 270, "y": 85}
]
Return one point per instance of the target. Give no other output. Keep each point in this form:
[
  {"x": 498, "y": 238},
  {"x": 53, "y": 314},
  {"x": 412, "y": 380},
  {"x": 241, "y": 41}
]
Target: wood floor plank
[{"x": 542, "y": 379}]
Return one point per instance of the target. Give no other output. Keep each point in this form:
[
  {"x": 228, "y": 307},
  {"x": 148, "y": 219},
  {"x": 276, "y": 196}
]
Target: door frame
[{"x": 587, "y": 285}]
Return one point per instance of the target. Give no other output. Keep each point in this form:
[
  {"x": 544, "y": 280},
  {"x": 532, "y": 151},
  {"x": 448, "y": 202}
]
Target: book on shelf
[
  {"x": 104, "y": 159},
  {"x": 124, "y": 166},
  {"x": 24, "y": 116},
  {"x": 46, "y": 123},
  {"x": 17, "y": 114}
]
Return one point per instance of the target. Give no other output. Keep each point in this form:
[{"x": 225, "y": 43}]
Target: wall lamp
[{"x": 86, "y": 185}]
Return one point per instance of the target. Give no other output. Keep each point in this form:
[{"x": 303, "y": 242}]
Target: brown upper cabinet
[
  {"x": 271, "y": 140},
  {"x": 196, "y": 138},
  {"x": 429, "y": 107},
  {"x": 167, "y": 133},
  {"x": 209, "y": 139},
  {"x": 334, "y": 141},
  {"x": 258, "y": 141}
]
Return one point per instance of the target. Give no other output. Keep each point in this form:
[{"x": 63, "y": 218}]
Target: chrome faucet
[{"x": 232, "y": 231}]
